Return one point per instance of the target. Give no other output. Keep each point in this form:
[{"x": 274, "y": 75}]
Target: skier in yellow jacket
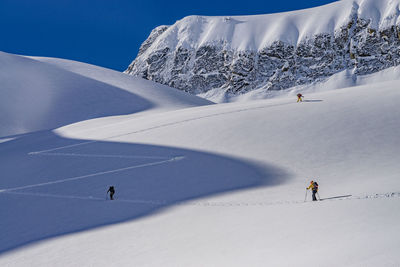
[
  {"x": 299, "y": 98},
  {"x": 314, "y": 187}
]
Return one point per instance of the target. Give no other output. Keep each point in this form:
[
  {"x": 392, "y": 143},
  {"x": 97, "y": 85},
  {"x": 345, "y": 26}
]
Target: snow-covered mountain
[{"x": 228, "y": 56}]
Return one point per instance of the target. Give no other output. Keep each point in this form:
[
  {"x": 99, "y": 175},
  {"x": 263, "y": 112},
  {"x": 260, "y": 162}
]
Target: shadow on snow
[
  {"x": 313, "y": 100},
  {"x": 63, "y": 191}
]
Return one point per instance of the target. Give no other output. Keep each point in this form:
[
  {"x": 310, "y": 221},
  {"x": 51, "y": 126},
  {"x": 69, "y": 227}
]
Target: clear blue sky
[{"x": 109, "y": 33}]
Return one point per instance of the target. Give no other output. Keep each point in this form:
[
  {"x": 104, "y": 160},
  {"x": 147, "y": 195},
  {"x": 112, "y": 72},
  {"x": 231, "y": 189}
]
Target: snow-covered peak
[
  {"x": 232, "y": 55},
  {"x": 259, "y": 31}
]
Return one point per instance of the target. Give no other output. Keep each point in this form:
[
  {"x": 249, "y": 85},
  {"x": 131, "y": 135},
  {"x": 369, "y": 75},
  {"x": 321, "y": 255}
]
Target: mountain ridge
[{"x": 239, "y": 54}]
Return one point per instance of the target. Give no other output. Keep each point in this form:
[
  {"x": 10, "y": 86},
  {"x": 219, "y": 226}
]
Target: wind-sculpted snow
[
  {"x": 236, "y": 55},
  {"x": 44, "y": 93}
]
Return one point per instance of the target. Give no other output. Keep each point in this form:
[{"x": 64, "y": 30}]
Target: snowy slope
[
  {"x": 340, "y": 80},
  {"x": 337, "y": 126},
  {"x": 37, "y": 95},
  {"x": 215, "y": 185},
  {"x": 162, "y": 97}
]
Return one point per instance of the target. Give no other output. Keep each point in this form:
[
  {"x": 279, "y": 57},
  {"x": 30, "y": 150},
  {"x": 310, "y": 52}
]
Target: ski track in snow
[
  {"x": 100, "y": 156},
  {"x": 156, "y": 127},
  {"x": 92, "y": 174},
  {"x": 208, "y": 203},
  {"x": 163, "y": 160}
]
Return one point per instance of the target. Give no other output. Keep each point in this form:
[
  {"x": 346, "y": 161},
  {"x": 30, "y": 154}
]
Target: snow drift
[{"x": 37, "y": 95}]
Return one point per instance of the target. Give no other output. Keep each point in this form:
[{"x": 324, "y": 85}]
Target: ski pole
[{"x": 305, "y": 198}]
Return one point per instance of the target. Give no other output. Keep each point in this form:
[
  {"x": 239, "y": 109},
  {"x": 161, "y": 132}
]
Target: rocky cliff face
[{"x": 356, "y": 45}]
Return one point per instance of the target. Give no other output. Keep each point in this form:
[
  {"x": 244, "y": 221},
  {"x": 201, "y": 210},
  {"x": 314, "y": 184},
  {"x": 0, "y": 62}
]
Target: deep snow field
[{"x": 197, "y": 183}]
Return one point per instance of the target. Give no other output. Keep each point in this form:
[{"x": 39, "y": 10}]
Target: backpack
[{"x": 315, "y": 186}]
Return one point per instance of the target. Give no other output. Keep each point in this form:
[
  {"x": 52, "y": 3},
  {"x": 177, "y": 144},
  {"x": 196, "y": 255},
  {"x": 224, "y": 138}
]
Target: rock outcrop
[{"x": 355, "y": 45}]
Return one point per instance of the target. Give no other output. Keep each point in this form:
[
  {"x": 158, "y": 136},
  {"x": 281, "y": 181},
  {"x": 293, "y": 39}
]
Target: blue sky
[{"x": 109, "y": 33}]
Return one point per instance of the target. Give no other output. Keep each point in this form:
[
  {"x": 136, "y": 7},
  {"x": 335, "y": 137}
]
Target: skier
[
  {"x": 112, "y": 192},
  {"x": 314, "y": 187},
  {"x": 299, "y": 98}
]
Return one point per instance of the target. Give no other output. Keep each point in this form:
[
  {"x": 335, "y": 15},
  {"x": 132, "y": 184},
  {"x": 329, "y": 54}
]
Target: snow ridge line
[
  {"x": 157, "y": 127},
  {"x": 205, "y": 203},
  {"x": 92, "y": 174}
]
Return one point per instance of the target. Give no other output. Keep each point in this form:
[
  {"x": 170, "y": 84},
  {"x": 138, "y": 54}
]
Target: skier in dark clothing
[
  {"x": 112, "y": 192},
  {"x": 314, "y": 187}
]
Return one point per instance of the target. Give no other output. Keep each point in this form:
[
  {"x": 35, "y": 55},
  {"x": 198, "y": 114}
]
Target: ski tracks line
[
  {"x": 48, "y": 152},
  {"x": 92, "y": 174},
  {"x": 97, "y": 155},
  {"x": 160, "y": 160},
  {"x": 163, "y": 160},
  {"x": 157, "y": 127},
  {"x": 205, "y": 203}
]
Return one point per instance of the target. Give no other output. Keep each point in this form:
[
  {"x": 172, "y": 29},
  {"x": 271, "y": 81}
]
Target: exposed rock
[{"x": 355, "y": 45}]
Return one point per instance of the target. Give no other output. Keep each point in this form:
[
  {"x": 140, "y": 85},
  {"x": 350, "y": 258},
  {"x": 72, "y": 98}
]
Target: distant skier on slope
[
  {"x": 314, "y": 187},
  {"x": 299, "y": 98},
  {"x": 112, "y": 192}
]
